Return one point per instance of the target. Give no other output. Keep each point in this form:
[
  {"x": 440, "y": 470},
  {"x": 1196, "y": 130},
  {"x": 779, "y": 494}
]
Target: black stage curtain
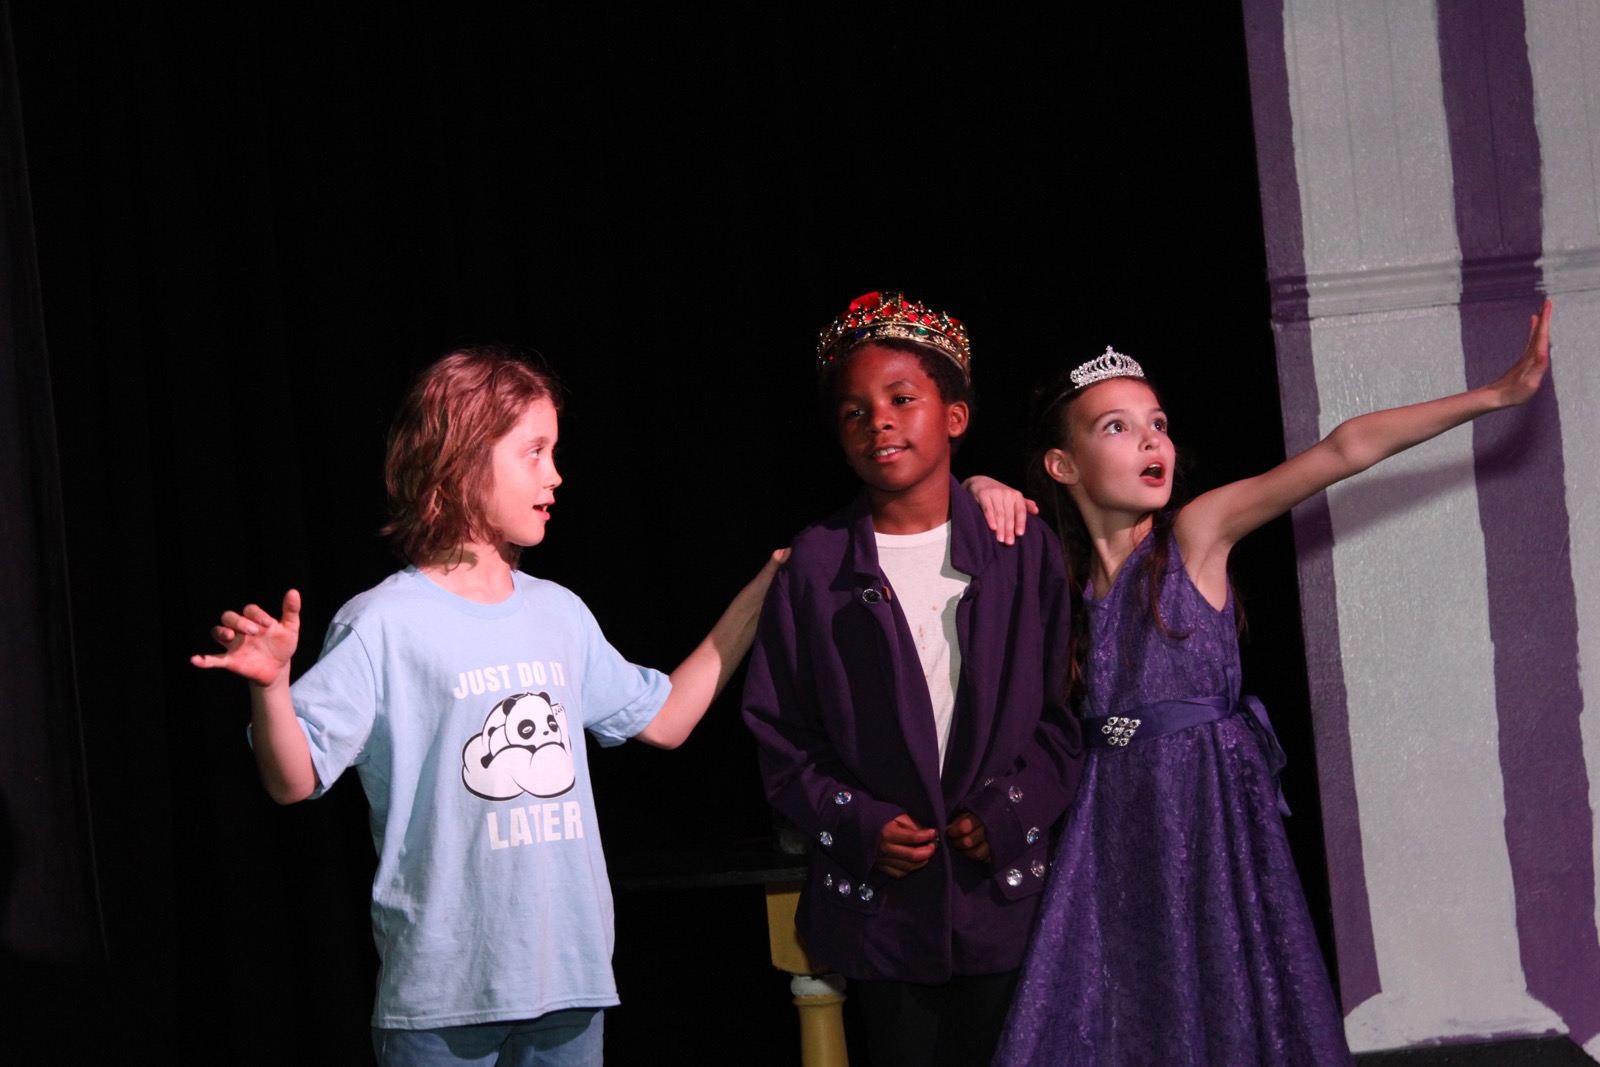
[
  {"x": 255, "y": 223},
  {"x": 52, "y": 951}
]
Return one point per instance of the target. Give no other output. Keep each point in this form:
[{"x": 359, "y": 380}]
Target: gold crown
[{"x": 890, "y": 314}]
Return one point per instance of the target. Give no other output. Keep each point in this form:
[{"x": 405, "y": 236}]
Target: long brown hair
[
  {"x": 1049, "y": 427},
  {"x": 438, "y": 472}
]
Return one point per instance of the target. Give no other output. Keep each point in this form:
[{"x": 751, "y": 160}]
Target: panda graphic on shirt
[{"x": 524, "y": 748}]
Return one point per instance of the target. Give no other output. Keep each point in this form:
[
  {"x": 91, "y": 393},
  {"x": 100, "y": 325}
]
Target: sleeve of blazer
[
  {"x": 1023, "y": 801},
  {"x": 802, "y": 774}
]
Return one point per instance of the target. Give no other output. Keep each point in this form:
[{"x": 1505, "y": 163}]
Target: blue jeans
[{"x": 574, "y": 1038}]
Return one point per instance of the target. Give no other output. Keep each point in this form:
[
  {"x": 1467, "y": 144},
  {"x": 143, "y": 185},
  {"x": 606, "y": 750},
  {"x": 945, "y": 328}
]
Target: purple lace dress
[{"x": 1173, "y": 929}]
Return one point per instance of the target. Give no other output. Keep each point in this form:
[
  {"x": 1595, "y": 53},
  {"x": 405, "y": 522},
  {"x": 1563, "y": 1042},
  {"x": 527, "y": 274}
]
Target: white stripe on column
[
  {"x": 1383, "y": 281},
  {"x": 1564, "y": 54},
  {"x": 1419, "y": 673}
]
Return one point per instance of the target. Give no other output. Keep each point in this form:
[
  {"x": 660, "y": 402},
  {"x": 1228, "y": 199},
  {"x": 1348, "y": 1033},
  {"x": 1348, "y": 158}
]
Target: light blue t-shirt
[{"x": 463, "y": 721}]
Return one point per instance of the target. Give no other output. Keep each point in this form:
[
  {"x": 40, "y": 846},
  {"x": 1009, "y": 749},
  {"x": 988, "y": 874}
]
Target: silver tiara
[{"x": 1111, "y": 365}]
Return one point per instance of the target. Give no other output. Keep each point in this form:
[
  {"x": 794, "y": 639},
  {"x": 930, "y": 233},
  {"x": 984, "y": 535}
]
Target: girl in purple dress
[{"x": 1173, "y": 929}]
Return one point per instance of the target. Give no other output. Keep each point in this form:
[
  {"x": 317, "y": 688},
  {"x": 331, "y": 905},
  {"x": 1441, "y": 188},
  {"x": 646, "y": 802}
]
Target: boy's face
[
  {"x": 894, "y": 426},
  {"x": 525, "y": 477}
]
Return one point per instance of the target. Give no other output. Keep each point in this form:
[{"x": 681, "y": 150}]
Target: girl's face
[
  {"x": 524, "y": 477},
  {"x": 1117, "y": 455}
]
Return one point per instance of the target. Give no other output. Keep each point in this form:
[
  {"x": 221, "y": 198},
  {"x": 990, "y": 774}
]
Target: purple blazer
[{"x": 844, "y": 728}]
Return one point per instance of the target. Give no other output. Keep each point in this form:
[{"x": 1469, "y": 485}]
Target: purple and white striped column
[{"x": 1427, "y": 175}]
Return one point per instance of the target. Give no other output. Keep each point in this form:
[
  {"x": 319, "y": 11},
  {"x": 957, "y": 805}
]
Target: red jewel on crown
[{"x": 890, "y": 314}]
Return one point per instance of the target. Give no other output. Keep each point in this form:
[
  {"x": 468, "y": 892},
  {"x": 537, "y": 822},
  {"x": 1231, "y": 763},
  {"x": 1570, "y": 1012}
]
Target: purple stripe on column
[
  {"x": 1357, "y": 967},
  {"x": 1488, "y": 99},
  {"x": 1280, "y": 187}
]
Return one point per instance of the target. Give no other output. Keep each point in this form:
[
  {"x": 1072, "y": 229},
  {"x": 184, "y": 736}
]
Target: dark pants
[{"x": 956, "y": 1024}]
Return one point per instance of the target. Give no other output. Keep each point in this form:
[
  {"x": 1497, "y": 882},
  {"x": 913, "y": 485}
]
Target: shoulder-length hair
[{"x": 438, "y": 470}]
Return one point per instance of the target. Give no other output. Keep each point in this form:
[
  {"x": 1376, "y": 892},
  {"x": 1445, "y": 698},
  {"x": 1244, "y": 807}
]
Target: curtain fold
[{"x": 52, "y": 937}]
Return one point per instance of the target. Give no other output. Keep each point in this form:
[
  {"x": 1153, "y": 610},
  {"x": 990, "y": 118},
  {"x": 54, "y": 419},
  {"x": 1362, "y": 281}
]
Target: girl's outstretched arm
[
  {"x": 258, "y": 648},
  {"x": 1209, "y": 527},
  {"x": 701, "y": 676}
]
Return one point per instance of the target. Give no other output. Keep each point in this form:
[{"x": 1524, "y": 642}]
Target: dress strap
[{"x": 1169, "y": 716}]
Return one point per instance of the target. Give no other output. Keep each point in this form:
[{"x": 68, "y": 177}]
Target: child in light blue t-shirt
[{"x": 458, "y": 689}]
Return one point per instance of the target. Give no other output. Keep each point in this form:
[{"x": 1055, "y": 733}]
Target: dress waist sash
[{"x": 1169, "y": 716}]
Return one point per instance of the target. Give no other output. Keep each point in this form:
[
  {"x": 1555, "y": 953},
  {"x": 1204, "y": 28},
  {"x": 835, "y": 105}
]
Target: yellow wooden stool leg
[
  {"x": 818, "y": 996},
  {"x": 820, "y": 1001}
]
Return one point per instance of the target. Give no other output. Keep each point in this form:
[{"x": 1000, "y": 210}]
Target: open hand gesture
[
  {"x": 1517, "y": 385},
  {"x": 256, "y": 646}
]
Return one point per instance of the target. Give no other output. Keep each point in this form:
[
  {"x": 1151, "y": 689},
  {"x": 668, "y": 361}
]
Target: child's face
[
  {"x": 525, "y": 478},
  {"x": 1117, "y": 456},
  {"x": 894, "y": 426}
]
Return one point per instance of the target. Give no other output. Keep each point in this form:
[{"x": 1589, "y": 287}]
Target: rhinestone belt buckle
[{"x": 1120, "y": 729}]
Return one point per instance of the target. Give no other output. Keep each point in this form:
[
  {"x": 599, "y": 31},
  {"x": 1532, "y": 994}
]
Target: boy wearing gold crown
[{"x": 904, "y": 692}]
